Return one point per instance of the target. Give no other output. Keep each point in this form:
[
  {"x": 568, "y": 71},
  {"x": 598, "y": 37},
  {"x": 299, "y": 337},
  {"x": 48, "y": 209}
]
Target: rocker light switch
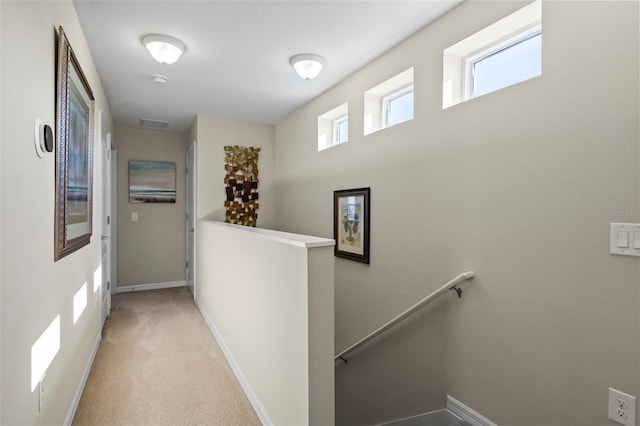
[
  {"x": 134, "y": 216},
  {"x": 624, "y": 239}
]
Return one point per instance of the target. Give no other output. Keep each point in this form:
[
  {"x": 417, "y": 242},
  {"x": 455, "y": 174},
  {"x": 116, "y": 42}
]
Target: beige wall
[
  {"x": 35, "y": 289},
  {"x": 514, "y": 185},
  {"x": 212, "y": 135},
  {"x": 270, "y": 299},
  {"x": 151, "y": 250}
]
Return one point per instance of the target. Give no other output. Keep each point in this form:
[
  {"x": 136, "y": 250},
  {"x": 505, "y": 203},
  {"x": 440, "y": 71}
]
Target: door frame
[
  {"x": 106, "y": 225},
  {"x": 191, "y": 222}
]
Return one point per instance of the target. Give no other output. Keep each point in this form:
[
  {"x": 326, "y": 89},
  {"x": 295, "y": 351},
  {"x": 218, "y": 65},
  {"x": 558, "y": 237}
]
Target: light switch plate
[
  {"x": 614, "y": 232},
  {"x": 134, "y": 216}
]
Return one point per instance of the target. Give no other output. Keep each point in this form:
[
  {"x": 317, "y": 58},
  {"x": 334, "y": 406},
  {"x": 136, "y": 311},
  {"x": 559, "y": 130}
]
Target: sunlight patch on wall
[
  {"x": 97, "y": 278},
  {"x": 44, "y": 350},
  {"x": 79, "y": 302}
]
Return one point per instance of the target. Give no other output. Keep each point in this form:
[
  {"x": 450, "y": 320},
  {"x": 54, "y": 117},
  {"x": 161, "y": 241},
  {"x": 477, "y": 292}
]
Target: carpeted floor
[{"x": 158, "y": 364}]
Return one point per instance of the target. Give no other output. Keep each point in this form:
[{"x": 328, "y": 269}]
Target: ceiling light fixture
[
  {"x": 307, "y": 66},
  {"x": 164, "y": 49}
]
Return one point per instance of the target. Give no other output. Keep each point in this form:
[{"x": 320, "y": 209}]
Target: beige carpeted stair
[{"x": 158, "y": 364}]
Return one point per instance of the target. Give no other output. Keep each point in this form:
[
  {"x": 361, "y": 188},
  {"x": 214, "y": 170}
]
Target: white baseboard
[
  {"x": 83, "y": 381},
  {"x": 152, "y": 286},
  {"x": 253, "y": 399},
  {"x": 467, "y": 413}
]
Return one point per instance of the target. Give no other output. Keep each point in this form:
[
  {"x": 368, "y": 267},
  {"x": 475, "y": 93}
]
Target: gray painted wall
[
  {"x": 212, "y": 135},
  {"x": 35, "y": 289},
  {"x": 514, "y": 185},
  {"x": 151, "y": 250}
]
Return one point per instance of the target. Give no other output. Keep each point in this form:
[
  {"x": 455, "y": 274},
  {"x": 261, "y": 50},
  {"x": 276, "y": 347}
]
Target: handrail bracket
[{"x": 457, "y": 290}]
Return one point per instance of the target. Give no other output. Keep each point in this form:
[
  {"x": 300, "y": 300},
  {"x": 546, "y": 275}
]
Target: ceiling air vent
[{"x": 154, "y": 124}]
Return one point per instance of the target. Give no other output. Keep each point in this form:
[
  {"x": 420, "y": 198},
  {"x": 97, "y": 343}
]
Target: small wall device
[{"x": 43, "y": 138}]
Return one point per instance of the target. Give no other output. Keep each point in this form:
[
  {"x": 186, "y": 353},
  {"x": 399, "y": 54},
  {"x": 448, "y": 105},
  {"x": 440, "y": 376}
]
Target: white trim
[
  {"x": 375, "y": 97},
  {"x": 416, "y": 417},
  {"x": 467, "y": 413},
  {"x": 454, "y": 75},
  {"x": 297, "y": 240},
  {"x": 326, "y": 126},
  {"x": 253, "y": 398},
  {"x": 83, "y": 381},
  {"x": 386, "y": 105},
  {"x": 192, "y": 151},
  {"x": 114, "y": 217},
  {"x": 152, "y": 286},
  {"x": 336, "y": 129},
  {"x": 471, "y": 60}
]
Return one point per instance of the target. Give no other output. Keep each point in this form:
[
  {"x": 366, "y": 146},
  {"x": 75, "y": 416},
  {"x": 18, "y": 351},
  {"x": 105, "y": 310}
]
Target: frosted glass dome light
[
  {"x": 164, "y": 49},
  {"x": 307, "y": 66}
]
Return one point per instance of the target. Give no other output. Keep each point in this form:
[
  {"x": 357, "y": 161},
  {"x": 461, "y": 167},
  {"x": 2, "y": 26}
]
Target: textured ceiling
[{"x": 236, "y": 64}]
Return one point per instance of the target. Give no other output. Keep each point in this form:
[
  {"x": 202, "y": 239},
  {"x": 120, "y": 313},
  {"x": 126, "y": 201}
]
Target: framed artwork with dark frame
[
  {"x": 74, "y": 154},
  {"x": 351, "y": 224}
]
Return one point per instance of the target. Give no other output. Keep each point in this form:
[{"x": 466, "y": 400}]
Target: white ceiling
[{"x": 236, "y": 64}]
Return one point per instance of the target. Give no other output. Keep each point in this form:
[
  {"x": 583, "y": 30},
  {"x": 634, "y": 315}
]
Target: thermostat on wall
[{"x": 43, "y": 138}]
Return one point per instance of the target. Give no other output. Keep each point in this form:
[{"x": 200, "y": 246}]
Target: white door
[
  {"x": 105, "y": 287},
  {"x": 191, "y": 209}
]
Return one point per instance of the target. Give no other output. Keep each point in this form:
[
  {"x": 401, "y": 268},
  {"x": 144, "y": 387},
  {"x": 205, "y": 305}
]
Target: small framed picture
[
  {"x": 152, "y": 182},
  {"x": 351, "y": 224}
]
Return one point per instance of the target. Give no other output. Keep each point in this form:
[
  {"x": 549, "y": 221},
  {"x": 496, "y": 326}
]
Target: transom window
[
  {"x": 389, "y": 103},
  {"x": 505, "y": 53},
  {"x": 333, "y": 127},
  {"x": 397, "y": 107},
  {"x": 506, "y": 64},
  {"x": 340, "y": 130}
]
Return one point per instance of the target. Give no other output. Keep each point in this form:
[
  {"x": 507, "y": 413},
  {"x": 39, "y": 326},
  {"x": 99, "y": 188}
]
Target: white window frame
[
  {"x": 494, "y": 49},
  {"x": 336, "y": 129},
  {"x": 388, "y": 99},
  {"x": 327, "y": 126},
  {"x": 374, "y": 99},
  {"x": 455, "y": 87}
]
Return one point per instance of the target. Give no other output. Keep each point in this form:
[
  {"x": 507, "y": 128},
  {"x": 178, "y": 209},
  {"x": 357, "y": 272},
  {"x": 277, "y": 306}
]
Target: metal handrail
[{"x": 451, "y": 285}]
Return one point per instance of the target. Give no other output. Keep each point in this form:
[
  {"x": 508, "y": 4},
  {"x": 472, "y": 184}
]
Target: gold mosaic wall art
[{"x": 241, "y": 185}]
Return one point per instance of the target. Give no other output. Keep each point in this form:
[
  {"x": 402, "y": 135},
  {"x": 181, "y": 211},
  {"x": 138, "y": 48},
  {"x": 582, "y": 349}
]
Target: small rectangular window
[
  {"x": 333, "y": 127},
  {"x": 517, "y": 60},
  {"x": 503, "y": 54},
  {"x": 389, "y": 103},
  {"x": 340, "y": 130},
  {"x": 397, "y": 107}
]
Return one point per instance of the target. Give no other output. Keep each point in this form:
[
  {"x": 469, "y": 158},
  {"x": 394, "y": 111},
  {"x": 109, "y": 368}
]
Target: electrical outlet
[
  {"x": 622, "y": 407},
  {"x": 41, "y": 392},
  {"x": 622, "y": 414}
]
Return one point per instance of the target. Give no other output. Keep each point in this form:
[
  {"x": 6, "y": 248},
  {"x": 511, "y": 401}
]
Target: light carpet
[{"x": 158, "y": 364}]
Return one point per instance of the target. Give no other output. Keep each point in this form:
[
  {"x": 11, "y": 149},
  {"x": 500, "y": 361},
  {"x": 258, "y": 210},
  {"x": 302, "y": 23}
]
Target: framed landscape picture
[
  {"x": 351, "y": 224},
  {"x": 74, "y": 154},
  {"x": 152, "y": 182}
]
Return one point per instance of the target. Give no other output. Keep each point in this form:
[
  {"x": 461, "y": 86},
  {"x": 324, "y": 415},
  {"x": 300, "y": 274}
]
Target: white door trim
[
  {"x": 105, "y": 220},
  {"x": 191, "y": 223}
]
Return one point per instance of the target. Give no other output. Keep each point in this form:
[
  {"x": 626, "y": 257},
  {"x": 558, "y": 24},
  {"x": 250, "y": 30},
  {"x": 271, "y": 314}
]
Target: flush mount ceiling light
[
  {"x": 307, "y": 66},
  {"x": 164, "y": 49}
]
